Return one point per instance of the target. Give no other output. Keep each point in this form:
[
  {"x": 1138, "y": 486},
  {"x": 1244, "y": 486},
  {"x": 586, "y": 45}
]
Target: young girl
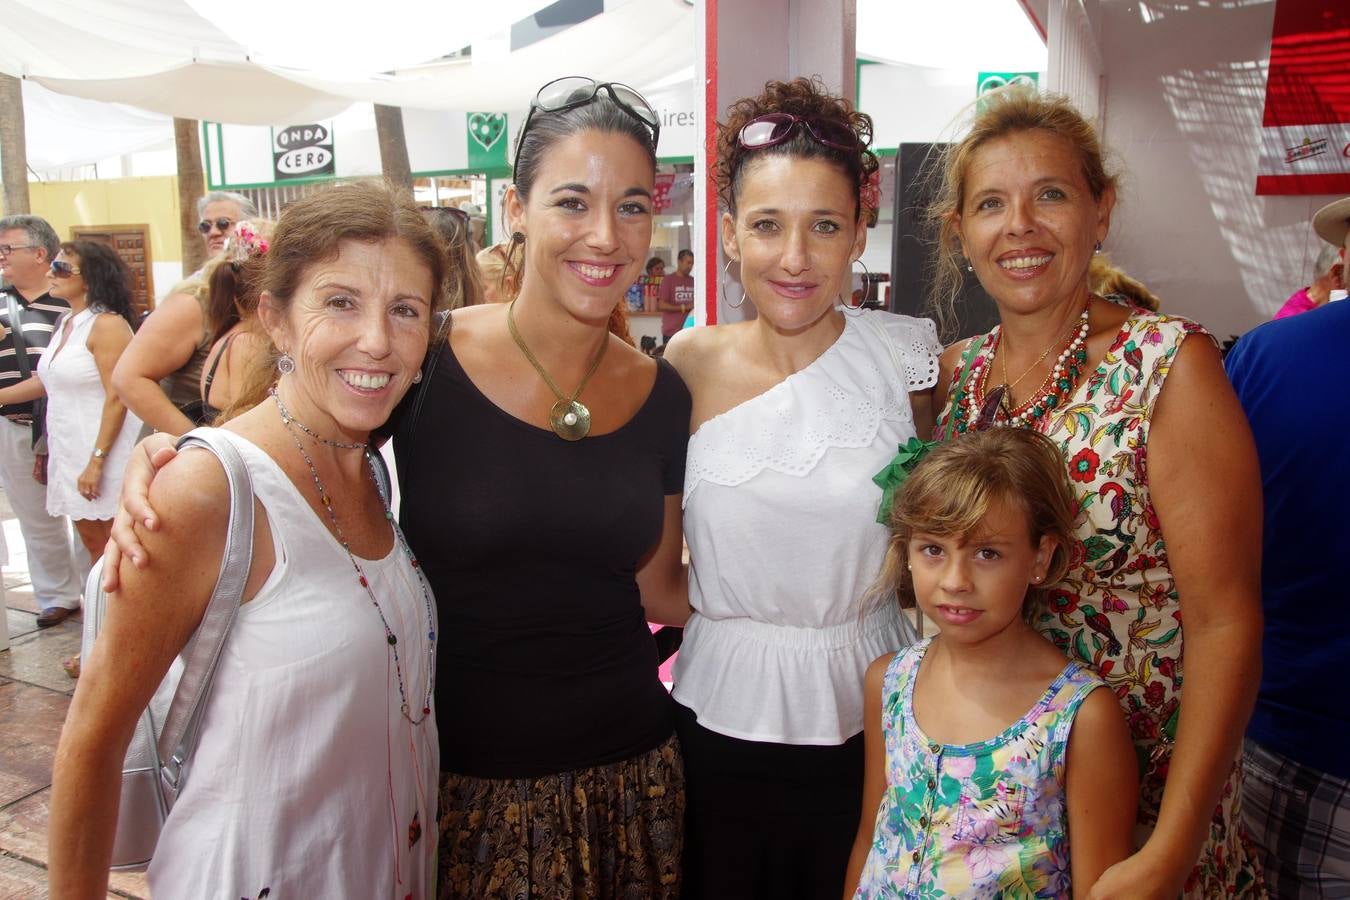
[{"x": 986, "y": 749}]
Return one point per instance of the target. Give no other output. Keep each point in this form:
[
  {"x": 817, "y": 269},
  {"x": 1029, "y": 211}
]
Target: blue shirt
[{"x": 1292, "y": 377}]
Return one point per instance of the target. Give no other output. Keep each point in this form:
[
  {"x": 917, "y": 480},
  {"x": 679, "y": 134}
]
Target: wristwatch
[{"x": 100, "y": 453}]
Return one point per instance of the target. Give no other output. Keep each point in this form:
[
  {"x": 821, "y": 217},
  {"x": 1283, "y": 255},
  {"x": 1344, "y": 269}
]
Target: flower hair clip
[{"x": 245, "y": 242}]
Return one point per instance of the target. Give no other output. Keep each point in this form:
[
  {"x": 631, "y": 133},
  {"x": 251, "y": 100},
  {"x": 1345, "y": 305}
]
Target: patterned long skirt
[{"x": 612, "y": 832}]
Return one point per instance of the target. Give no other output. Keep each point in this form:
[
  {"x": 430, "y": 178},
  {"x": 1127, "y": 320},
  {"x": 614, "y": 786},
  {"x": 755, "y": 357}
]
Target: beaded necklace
[
  {"x": 970, "y": 402},
  {"x": 390, "y": 637}
]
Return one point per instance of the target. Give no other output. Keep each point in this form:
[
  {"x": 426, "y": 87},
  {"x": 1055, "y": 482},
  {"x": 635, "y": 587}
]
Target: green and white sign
[
  {"x": 487, "y": 140},
  {"x": 992, "y": 81}
]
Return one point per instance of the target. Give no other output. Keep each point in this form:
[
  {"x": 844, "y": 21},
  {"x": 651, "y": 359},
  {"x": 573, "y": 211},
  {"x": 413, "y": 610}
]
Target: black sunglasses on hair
[
  {"x": 222, "y": 224},
  {"x": 573, "y": 91}
]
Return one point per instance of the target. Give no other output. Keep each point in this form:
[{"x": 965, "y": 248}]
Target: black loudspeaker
[{"x": 917, "y": 177}]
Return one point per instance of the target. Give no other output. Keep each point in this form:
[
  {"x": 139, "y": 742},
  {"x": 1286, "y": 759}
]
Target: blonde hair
[
  {"x": 1007, "y": 111},
  {"x": 1109, "y": 280},
  {"x": 953, "y": 488},
  {"x": 493, "y": 272}
]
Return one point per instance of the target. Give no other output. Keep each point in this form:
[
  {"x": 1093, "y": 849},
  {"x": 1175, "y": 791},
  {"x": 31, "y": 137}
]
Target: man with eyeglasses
[
  {"x": 217, "y": 214},
  {"x": 27, "y": 246},
  {"x": 1289, "y": 376}
]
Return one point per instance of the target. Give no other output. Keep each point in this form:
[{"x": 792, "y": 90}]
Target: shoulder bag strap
[
  {"x": 16, "y": 329},
  {"x": 973, "y": 346},
  {"x": 202, "y": 652}
]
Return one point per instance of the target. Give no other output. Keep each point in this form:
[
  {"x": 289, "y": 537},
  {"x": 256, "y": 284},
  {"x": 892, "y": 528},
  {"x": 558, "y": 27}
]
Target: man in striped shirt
[{"x": 27, "y": 246}]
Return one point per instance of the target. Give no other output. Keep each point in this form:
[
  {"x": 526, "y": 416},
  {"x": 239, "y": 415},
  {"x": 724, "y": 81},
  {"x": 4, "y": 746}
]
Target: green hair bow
[{"x": 897, "y": 470}]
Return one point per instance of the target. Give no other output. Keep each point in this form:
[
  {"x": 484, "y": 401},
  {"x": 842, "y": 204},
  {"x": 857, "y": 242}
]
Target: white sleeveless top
[
  {"x": 75, "y": 398},
  {"x": 780, "y": 517},
  {"x": 307, "y": 779}
]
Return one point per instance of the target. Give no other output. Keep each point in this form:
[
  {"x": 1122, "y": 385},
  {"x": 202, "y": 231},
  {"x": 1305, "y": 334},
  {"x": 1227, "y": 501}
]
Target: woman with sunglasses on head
[
  {"x": 794, "y": 412},
  {"x": 554, "y": 535},
  {"x": 90, "y": 435},
  {"x": 1027, "y": 201}
]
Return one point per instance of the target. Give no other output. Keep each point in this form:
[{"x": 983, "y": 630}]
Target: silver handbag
[{"x": 161, "y": 748}]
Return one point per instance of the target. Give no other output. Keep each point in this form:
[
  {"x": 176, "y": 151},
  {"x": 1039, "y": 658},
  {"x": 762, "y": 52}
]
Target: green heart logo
[{"x": 487, "y": 128}]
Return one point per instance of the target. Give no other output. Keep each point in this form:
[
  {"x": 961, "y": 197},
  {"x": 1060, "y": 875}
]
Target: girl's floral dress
[
  {"x": 1118, "y": 610},
  {"x": 979, "y": 820}
]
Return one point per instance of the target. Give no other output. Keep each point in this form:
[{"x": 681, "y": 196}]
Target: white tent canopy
[{"x": 165, "y": 56}]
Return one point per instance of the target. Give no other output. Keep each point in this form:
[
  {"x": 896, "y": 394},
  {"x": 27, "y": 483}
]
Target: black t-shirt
[{"x": 545, "y": 662}]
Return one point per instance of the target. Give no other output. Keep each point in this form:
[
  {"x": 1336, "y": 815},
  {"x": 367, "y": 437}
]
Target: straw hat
[{"x": 1332, "y": 221}]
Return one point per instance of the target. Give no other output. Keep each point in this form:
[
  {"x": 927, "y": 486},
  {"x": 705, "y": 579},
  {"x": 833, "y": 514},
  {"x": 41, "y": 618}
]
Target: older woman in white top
[
  {"x": 315, "y": 769},
  {"x": 793, "y": 413}
]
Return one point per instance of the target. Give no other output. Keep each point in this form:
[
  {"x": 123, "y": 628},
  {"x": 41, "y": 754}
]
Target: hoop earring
[
  {"x": 285, "y": 364},
  {"x": 723, "y": 286},
  {"x": 849, "y": 308}
]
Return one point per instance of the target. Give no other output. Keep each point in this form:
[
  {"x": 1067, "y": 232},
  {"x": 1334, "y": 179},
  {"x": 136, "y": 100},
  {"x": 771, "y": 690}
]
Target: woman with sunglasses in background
[
  {"x": 794, "y": 412},
  {"x": 90, "y": 435},
  {"x": 1027, "y": 201},
  {"x": 159, "y": 377}
]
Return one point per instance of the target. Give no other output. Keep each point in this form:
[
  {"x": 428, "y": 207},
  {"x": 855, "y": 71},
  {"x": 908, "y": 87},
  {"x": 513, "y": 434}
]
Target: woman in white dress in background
[{"x": 90, "y": 434}]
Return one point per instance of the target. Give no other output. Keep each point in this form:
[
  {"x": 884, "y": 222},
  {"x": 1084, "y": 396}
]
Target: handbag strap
[
  {"x": 16, "y": 329},
  {"x": 202, "y": 653},
  {"x": 973, "y": 346}
]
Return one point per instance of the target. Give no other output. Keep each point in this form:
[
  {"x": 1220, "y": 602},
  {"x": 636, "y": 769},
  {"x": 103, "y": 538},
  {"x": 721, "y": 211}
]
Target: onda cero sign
[{"x": 303, "y": 151}]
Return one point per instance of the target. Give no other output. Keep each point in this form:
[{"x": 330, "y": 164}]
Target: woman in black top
[
  {"x": 550, "y": 545},
  {"x": 541, "y": 470}
]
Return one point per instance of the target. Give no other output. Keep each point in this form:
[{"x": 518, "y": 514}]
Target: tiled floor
[{"x": 34, "y": 696}]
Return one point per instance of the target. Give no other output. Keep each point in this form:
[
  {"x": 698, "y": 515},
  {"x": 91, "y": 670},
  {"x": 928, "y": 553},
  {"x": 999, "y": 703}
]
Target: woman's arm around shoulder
[
  {"x": 146, "y": 625},
  {"x": 1102, "y": 788},
  {"x": 874, "y": 773},
  {"x": 166, "y": 341}
]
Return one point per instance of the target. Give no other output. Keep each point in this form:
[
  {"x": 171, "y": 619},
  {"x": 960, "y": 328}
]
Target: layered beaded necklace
[
  {"x": 292, "y": 424},
  {"x": 974, "y": 405}
]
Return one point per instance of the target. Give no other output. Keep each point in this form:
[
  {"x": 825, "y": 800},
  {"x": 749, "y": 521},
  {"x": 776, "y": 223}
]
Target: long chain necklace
[
  {"x": 569, "y": 419},
  {"x": 390, "y": 638},
  {"x": 291, "y": 420}
]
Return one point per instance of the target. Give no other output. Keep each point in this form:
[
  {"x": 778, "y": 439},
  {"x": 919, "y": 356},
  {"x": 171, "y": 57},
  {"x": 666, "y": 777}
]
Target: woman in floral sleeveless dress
[{"x": 1025, "y": 201}]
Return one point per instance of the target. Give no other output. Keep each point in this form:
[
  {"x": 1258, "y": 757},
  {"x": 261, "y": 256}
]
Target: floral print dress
[
  {"x": 977, "y": 820},
  {"x": 1118, "y": 610}
]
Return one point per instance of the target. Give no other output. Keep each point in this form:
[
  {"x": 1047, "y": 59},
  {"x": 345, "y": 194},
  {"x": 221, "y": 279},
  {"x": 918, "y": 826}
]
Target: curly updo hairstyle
[{"x": 809, "y": 99}]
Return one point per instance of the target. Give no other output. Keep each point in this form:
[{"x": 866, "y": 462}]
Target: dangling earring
[
  {"x": 723, "y": 283},
  {"x": 1097, "y": 249},
  {"x": 417, "y": 377},
  {"x": 849, "y": 308},
  {"x": 285, "y": 364}
]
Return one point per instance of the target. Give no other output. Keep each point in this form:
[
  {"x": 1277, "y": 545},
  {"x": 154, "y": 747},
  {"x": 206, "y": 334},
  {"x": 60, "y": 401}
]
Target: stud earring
[
  {"x": 517, "y": 237},
  {"x": 417, "y": 377}
]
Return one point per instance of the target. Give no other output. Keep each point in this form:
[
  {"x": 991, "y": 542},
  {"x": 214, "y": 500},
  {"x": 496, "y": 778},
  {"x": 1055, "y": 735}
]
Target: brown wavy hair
[
  {"x": 313, "y": 229},
  {"x": 810, "y": 99},
  {"x": 952, "y": 489},
  {"x": 1007, "y": 111}
]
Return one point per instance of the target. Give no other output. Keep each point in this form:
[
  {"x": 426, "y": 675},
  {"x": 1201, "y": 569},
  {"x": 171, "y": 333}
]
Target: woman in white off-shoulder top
[{"x": 794, "y": 412}]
